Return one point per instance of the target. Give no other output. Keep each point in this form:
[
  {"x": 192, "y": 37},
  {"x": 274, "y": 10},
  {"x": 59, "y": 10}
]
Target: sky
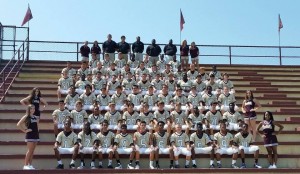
[{"x": 207, "y": 22}]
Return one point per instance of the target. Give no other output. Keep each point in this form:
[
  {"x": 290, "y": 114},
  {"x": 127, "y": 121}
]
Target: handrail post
[
  {"x": 230, "y": 55},
  {"x": 280, "y": 60},
  {"x": 77, "y": 44},
  {"x": 3, "y": 84}
]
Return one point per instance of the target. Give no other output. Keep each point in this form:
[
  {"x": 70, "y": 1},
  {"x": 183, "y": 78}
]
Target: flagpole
[{"x": 27, "y": 57}]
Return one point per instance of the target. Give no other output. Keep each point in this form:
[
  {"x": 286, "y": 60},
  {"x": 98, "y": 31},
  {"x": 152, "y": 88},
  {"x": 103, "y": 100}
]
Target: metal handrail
[{"x": 5, "y": 77}]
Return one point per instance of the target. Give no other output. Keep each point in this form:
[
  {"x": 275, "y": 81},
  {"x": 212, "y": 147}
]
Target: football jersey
[
  {"x": 147, "y": 117},
  {"x": 232, "y": 117},
  {"x": 180, "y": 99},
  {"x": 88, "y": 99},
  {"x": 93, "y": 63},
  {"x": 136, "y": 99},
  {"x": 113, "y": 118},
  {"x": 70, "y": 71},
  {"x": 142, "y": 139},
  {"x": 120, "y": 63},
  {"x": 185, "y": 85},
  {"x": 124, "y": 141},
  {"x": 157, "y": 83},
  {"x": 150, "y": 99},
  {"x": 171, "y": 85},
  {"x": 225, "y": 99},
  {"x": 199, "y": 86},
  {"x": 111, "y": 72},
  {"x": 229, "y": 84},
  {"x": 130, "y": 118},
  {"x": 161, "y": 64},
  {"x": 87, "y": 140},
  {"x": 192, "y": 75},
  {"x": 161, "y": 116},
  {"x": 133, "y": 64},
  {"x": 213, "y": 85},
  {"x": 178, "y": 117},
  {"x": 144, "y": 85},
  {"x": 83, "y": 71},
  {"x": 81, "y": 84},
  {"x": 217, "y": 74},
  {"x": 128, "y": 83},
  {"x": 106, "y": 64},
  {"x": 165, "y": 98},
  {"x": 223, "y": 141},
  {"x": 148, "y": 64},
  {"x": 118, "y": 99},
  {"x": 98, "y": 83},
  {"x": 103, "y": 100},
  {"x": 65, "y": 83},
  {"x": 102, "y": 70},
  {"x": 61, "y": 115},
  {"x": 165, "y": 74},
  {"x": 196, "y": 119},
  {"x": 96, "y": 119},
  {"x": 208, "y": 98},
  {"x": 78, "y": 116},
  {"x": 66, "y": 141},
  {"x": 71, "y": 100},
  {"x": 204, "y": 77},
  {"x": 214, "y": 118},
  {"x": 243, "y": 141},
  {"x": 106, "y": 138},
  {"x": 195, "y": 99},
  {"x": 200, "y": 142},
  {"x": 162, "y": 141},
  {"x": 113, "y": 85},
  {"x": 140, "y": 71},
  {"x": 180, "y": 140},
  {"x": 124, "y": 72}
]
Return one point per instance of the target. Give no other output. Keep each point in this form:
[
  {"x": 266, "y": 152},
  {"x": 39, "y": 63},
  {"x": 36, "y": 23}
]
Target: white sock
[
  {"x": 109, "y": 162},
  {"x": 176, "y": 162},
  {"x": 151, "y": 163},
  {"x": 187, "y": 162},
  {"x": 59, "y": 162},
  {"x": 100, "y": 163},
  {"x": 82, "y": 163},
  {"x": 92, "y": 163},
  {"x": 73, "y": 161},
  {"x": 218, "y": 162},
  {"x": 194, "y": 161},
  {"x": 211, "y": 162},
  {"x": 233, "y": 161}
]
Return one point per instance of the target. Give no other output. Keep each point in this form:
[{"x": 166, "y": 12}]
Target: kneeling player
[
  {"x": 223, "y": 142},
  {"x": 181, "y": 145},
  {"x": 88, "y": 144},
  {"x": 200, "y": 143},
  {"x": 162, "y": 144},
  {"x": 143, "y": 145},
  {"x": 244, "y": 140},
  {"x": 66, "y": 143}
]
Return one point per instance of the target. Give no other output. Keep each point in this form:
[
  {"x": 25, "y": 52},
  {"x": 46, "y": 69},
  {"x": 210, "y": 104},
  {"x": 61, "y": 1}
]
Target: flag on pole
[
  {"x": 181, "y": 21},
  {"x": 279, "y": 23},
  {"x": 27, "y": 17}
]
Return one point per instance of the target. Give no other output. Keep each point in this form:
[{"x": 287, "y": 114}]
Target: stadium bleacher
[{"x": 276, "y": 87}]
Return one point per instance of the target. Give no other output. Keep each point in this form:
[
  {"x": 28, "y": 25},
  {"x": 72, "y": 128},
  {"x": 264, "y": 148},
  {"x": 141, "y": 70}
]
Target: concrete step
[
  {"x": 17, "y": 135},
  {"x": 46, "y": 164}
]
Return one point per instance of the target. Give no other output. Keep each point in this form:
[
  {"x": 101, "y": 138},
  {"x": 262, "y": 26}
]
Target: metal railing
[
  {"x": 209, "y": 54},
  {"x": 13, "y": 66}
]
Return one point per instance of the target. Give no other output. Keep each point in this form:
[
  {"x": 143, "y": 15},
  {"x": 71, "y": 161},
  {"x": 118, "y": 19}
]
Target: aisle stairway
[{"x": 276, "y": 87}]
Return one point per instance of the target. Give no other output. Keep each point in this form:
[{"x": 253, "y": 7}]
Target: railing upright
[
  {"x": 230, "y": 55},
  {"x": 280, "y": 60}
]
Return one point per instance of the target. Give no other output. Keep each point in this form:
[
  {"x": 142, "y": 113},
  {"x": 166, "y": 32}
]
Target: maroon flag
[
  {"x": 181, "y": 21},
  {"x": 279, "y": 23},
  {"x": 27, "y": 17}
]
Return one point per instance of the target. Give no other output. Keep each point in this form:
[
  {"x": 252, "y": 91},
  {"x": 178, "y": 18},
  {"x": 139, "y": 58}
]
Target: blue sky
[{"x": 247, "y": 22}]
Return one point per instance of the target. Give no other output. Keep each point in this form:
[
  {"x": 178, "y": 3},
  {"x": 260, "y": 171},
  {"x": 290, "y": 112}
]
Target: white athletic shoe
[
  {"x": 151, "y": 167},
  {"x": 26, "y": 168},
  {"x": 274, "y": 166},
  {"x": 271, "y": 167},
  {"x": 31, "y": 167}
]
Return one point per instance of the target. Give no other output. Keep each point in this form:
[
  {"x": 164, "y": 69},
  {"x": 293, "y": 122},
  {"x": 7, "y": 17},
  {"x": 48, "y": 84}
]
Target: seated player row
[
  {"x": 141, "y": 77},
  {"x": 132, "y": 119},
  {"x": 155, "y": 145},
  {"x": 188, "y": 101}
]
